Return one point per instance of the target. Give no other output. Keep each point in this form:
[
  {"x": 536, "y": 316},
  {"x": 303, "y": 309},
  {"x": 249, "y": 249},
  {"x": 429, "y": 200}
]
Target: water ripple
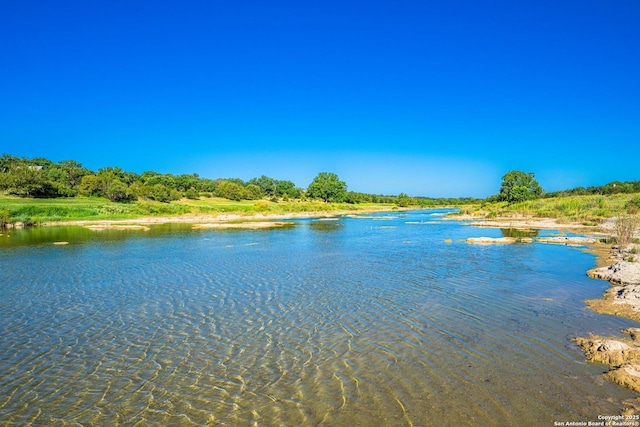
[{"x": 347, "y": 325}]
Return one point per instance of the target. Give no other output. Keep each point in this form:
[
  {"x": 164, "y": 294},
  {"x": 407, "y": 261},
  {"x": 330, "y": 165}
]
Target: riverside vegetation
[{"x": 38, "y": 190}]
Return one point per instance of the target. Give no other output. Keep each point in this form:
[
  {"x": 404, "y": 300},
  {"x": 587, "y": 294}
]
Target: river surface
[{"x": 360, "y": 321}]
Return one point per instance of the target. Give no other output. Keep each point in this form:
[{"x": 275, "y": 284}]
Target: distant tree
[
  {"x": 159, "y": 193},
  {"x": 328, "y": 187},
  {"x": 289, "y": 189},
  {"x": 403, "y": 200},
  {"x": 6, "y": 161},
  {"x": 267, "y": 185},
  {"x": 24, "y": 178},
  {"x": 66, "y": 176},
  {"x": 73, "y": 171},
  {"x": 119, "y": 192},
  {"x": 252, "y": 192},
  {"x": 208, "y": 185},
  {"x": 230, "y": 190},
  {"x": 518, "y": 186},
  {"x": 92, "y": 186},
  {"x": 192, "y": 193},
  {"x": 140, "y": 190},
  {"x": 166, "y": 180},
  {"x": 353, "y": 198},
  {"x": 110, "y": 174},
  {"x": 185, "y": 182}
]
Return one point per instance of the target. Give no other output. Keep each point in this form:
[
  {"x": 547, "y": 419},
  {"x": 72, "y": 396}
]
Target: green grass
[
  {"x": 587, "y": 210},
  {"x": 85, "y": 208},
  {"x": 81, "y": 208}
]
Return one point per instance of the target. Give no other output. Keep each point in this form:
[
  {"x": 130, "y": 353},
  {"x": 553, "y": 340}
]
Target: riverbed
[{"x": 378, "y": 319}]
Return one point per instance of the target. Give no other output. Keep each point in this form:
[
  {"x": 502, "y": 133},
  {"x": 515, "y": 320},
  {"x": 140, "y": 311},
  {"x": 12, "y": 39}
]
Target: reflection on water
[
  {"x": 519, "y": 233},
  {"x": 325, "y": 323}
]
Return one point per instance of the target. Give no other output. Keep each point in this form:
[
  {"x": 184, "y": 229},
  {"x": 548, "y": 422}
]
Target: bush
[
  {"x": 633, "y": 205},
  {"x": 119, "y": 192},
  {"x": 192, "y": 194},
  {"x": 262, "y": 205},
  {"x": 5, "y": 218},
  {"x": 625, "y": 228},
  {"x": 160, "y": 193}
]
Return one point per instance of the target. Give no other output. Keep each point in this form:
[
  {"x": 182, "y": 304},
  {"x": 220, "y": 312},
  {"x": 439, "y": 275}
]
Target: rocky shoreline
[
  {"x": 561, "y": 240},
  {"x": 621, "y": 268},
  {"x": 621, "y": 355},
  {"x": 230, "y": 220}
]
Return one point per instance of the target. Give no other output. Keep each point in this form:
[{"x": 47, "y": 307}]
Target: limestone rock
[{"x": 622, "y": 273}]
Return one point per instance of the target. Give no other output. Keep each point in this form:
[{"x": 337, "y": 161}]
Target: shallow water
[{"x": 360, "y": 321}]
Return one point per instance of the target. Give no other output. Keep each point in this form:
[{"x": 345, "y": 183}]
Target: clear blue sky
[{"x": 432, "y": 98}]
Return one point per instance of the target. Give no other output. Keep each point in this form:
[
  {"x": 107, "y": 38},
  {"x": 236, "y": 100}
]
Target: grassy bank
[
  {"x": 586, "y": 210},
  {"x": 34, "y": 211}
]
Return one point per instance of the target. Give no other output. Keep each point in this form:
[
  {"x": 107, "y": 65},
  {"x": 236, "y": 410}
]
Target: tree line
[
  {"x": 42, "y": 178},
  {"x": 518, "y": 186},
  {"x": 614, "y": 187}
]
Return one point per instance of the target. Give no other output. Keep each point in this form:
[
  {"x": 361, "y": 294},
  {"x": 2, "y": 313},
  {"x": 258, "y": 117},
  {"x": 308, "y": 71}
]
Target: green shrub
[
  {"x": 5, "y": 218},
  {"x": 262, "y": 205},
  {"x": 633, "y": 205},
  {"x": 119, "y": 192},
  {"x": 192, "y": 194}
]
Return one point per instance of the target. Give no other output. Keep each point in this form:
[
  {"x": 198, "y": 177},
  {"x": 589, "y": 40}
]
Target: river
[{"x": 384, "y": 319}]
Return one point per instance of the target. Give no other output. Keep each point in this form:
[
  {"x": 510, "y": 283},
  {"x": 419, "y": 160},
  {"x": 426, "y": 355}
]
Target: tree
[
  {"x": 403, "y": 200},
  {"x": 267, "y": 185},
  {"x": 287, "y": 188},
  {"x": 119, "y": 192},
  {"x": 93, "y": 186},
  {"x": 6, "y": 161},
  {"x": 353, "y": 198},
  {"x": 328, "y": 187},
  {"x": 66, "y": 176},
  {"x": 252, "y": 192},
  {"x": 24, "y": 178},
  {"x": 73, "y": 172},
  {"x": 230, "y": 190},
  {"x": 160, "y": 193},
  {"x": 518, "y": 186},
  {"x": 192, "y": 194}
]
